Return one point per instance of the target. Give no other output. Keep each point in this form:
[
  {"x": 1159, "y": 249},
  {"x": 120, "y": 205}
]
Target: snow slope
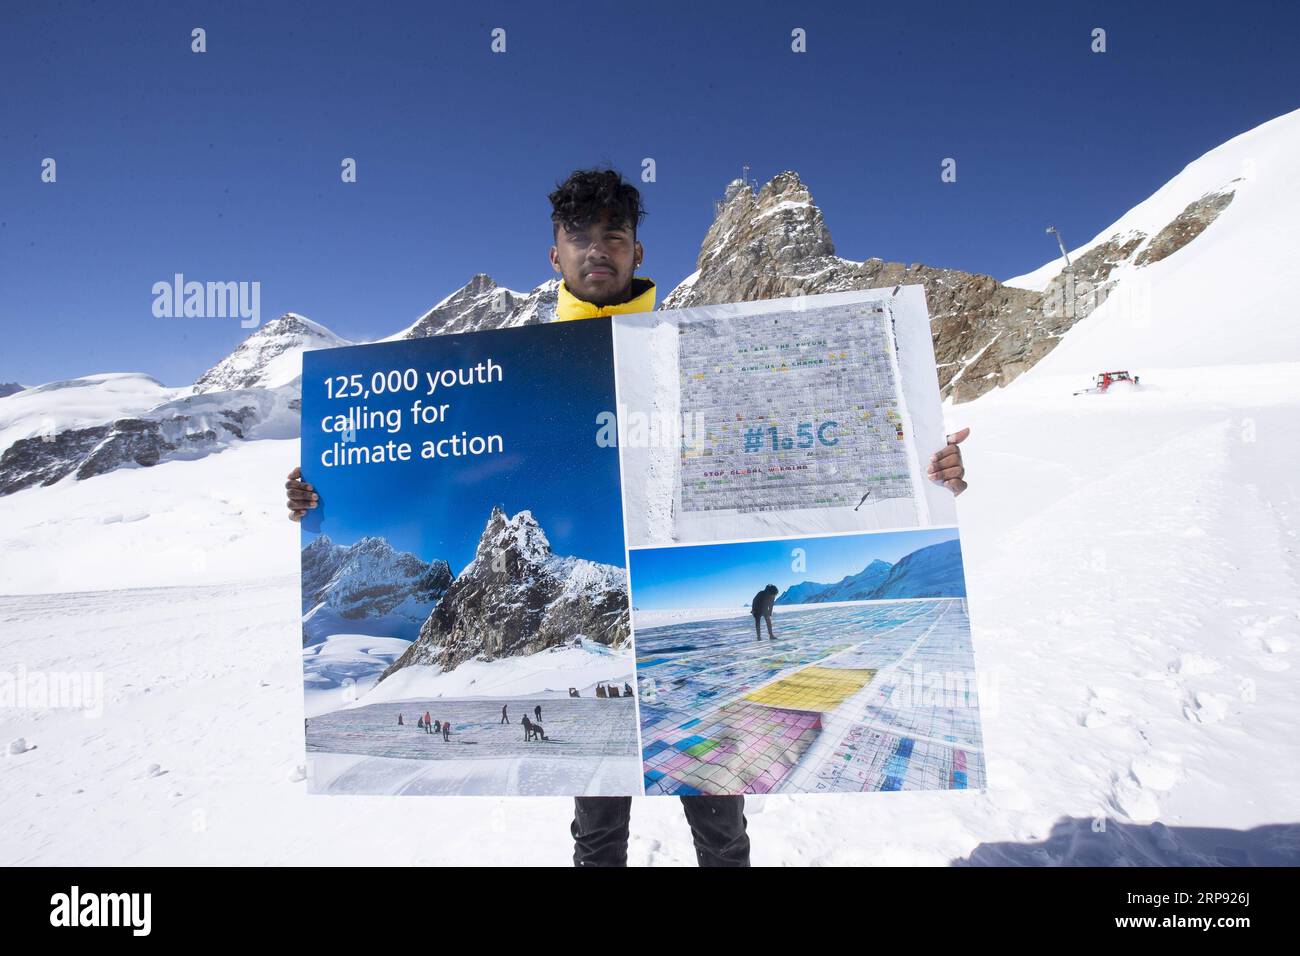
[
  {"x": 1223, "y": 299},
  {"x": 178, "y": 524},
  {"x": 1134, "y": 598}
]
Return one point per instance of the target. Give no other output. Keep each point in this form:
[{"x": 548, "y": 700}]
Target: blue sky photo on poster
[
  {"x": 838, "y": 663},
  {"x": 727, "y": 575}
]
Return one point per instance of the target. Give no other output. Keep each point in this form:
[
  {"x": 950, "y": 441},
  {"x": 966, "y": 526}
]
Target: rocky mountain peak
[
  {"x": 519, "y": 537},
  {"x": 517, "y": 598},
  {"x": 780, "y": 226},
  {"x": 776, "y": 244}
]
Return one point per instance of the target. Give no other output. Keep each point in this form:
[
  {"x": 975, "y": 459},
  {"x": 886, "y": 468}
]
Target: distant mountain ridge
[
  {"x": 933, "y": 571},
  {"x": 847, "y": 588},
  {"x": 367, "y": 588}
]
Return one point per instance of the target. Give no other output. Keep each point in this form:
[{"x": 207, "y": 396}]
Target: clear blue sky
[
  {"x": 726, "y": 575},
  {"x": 225, "y": 166}
]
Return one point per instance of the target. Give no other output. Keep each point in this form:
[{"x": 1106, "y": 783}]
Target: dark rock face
[
  {"x": 1187, "y": 225},
  {"x": 10, "y": 388},
  {"x": 45, "y": 459},
  {"x": 517, "y": 598},
  {"x": 776, "y": 244}
]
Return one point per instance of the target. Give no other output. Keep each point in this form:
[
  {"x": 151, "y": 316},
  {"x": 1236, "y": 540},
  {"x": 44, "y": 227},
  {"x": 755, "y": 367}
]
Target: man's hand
[
  {"x": 946, "y": 466},
  {"x": 300, "y": 495}
]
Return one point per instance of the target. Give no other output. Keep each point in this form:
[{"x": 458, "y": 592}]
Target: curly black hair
[{"x": 580, "y": 199}]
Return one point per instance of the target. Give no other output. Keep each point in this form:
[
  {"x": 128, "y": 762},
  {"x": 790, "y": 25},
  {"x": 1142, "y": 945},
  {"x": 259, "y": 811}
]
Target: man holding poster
[{"x": 595, "y": 216}]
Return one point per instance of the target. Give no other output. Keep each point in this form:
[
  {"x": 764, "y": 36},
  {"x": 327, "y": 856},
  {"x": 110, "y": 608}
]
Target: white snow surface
[
  {"x": 178, "y": 524},
  {"x": 1134, "y": 588}
]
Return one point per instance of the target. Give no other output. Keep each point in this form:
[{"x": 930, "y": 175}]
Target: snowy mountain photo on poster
[{"x": 464, "y": 598}]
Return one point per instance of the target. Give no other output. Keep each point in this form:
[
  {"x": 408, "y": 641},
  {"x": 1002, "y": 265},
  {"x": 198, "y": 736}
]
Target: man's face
[{"x": 597, "y": 260}]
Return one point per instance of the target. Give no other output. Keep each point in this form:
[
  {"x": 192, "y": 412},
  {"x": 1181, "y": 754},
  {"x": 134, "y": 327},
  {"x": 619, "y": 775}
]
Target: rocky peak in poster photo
[{"x": 517, "y": 597}]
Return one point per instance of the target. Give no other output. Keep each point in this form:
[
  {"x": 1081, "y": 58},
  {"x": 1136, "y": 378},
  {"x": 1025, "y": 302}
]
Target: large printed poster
[
  {"x": 684, "y": 552},
  {"x": 465, "y": 611}
]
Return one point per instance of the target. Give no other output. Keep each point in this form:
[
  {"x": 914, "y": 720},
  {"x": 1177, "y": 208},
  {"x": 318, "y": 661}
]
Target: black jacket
[{"x": 761, "y": 606}]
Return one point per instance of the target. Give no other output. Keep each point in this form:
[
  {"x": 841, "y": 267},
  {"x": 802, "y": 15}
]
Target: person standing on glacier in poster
[
  {"x": 761, "y": 608},
  {"x": 594, "y": 216}
]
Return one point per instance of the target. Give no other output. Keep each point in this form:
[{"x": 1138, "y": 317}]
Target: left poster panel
[{"x": 465, "y": 625}]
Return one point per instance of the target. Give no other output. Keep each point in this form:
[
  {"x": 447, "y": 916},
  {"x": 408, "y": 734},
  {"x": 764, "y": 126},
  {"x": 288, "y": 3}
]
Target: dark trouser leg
[
  {"x": 768, "y": 619},
  {"x": 758, "y": 630},
  {"x": 718, "y": 826},
  {"x": 600, "y": 829}
]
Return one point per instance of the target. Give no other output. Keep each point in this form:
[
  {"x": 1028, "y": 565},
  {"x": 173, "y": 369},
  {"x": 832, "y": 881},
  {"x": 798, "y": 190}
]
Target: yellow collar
[{"x": 570, "y": 307}]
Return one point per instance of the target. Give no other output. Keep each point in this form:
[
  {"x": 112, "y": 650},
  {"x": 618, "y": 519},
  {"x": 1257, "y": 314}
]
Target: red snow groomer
[{"x": 1104, "y": 380}]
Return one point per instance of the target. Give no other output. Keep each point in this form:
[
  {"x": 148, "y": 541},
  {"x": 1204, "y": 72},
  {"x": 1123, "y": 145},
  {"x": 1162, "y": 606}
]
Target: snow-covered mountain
[
  {"x": 270, "y": 357},
  {"x": 46, "y": 410},
  {"x": 10, "y": 388},
  {"x": 92, "y": 425},
  {"x": 516, "y": 598},
  {"x": 367, "y": 588},
  {"x": 56, "y": 441},
  {"x": 932, "y": 571}
]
